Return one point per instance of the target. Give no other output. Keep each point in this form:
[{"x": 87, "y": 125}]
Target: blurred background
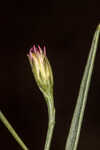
[{"x": 66, "y": 28}]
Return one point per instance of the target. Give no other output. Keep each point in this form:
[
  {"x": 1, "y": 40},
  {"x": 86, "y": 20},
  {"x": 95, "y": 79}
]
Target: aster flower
[
  {"x": 41, "y": 68},
  {"x": 43, "y": 75}
]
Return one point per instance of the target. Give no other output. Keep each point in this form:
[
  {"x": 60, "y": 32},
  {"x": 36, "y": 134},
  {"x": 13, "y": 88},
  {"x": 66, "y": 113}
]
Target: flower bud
[{"x": 41, "y": 68}]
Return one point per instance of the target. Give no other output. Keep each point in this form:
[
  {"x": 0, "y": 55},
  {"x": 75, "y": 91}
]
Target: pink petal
[
  {"x": 34, "y": 49},
  {"x": 39, "y": 48},
  {"x": 44, "y": 50}
]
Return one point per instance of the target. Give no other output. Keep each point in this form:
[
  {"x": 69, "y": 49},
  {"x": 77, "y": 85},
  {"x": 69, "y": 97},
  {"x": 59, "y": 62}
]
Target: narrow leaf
[{"x": 74, "y": 132}]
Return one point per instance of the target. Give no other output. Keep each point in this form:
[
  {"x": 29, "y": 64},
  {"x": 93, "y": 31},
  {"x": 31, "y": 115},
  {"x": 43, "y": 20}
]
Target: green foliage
[{"x": 74, "y": 133}]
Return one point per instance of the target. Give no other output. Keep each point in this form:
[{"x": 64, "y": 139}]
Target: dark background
[{"x": 66, "y": 29}]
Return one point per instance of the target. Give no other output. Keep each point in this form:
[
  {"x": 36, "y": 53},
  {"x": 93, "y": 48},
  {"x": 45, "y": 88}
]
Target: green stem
[
  {"x": 51, "y": 122},
  {"x": 12, "y": 131},
  {"x": 74, "y": 133}
]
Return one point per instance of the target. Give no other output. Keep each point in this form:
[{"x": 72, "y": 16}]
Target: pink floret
[
  {"x": 34, "y": 49},
  {"x": 30, "y": 54},
  {"x": 39, "y": 49},
  {"x": 44, "y": 50}
]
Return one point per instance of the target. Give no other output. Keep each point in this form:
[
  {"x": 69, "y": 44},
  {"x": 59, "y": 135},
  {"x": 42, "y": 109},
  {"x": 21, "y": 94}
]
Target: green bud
[{"x": 41, "y": 69}]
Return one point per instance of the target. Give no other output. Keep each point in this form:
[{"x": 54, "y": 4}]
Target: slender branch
[
  {"x": 51, "y": 122},
  {"x": 74, "y": 133},
  {"x": 12, "y": 131}
]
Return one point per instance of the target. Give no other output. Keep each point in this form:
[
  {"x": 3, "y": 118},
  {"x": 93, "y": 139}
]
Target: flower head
[{"x": 41, "y": 68}]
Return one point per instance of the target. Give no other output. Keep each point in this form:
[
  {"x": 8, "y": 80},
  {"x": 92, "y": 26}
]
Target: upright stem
[
  {"x": 12, "y": 131},
  {"x": 74, "y": 133},
  {"x": 51, "y": 122}
]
